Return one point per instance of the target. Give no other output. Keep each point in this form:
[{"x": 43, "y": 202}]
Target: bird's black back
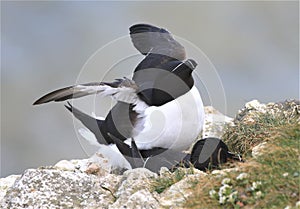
[{"x": 162, "y": 78}]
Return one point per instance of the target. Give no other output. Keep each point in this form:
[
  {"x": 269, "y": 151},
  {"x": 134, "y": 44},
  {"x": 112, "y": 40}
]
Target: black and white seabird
[{"x": 159, "y": 112}]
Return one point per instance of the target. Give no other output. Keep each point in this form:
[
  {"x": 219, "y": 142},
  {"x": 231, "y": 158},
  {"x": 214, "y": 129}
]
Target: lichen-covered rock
[
  {"x": 286, "y": 109},
  {"x": 134, "y": 181},
  {"x": 178, "y": 193},
  {"x": 141, "y": 199},
  {"x": 65, "y": 165},
  {"x": 6, "y": 183},
  {"x": 214, "y": 123},
  {"x": 50, "y": 188},
  {"x": 97, "y": 164}
]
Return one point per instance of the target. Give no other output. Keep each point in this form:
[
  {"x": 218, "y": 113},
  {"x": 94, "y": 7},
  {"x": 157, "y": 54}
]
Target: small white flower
[
  {"x": 258, "y": 194},
  {"x": 225, "y": 190},
  {"x": 226, "y": 181},
  {"x": 212, "y": 193},
  {"x": 285, "y": 174},
  {"x": 242, "y": 176},
  {"x": 287, "y": 207},
  {"x": 298, "y": 204},
  {"x": 256, "y": 185},
  {"x": 222, "y": 199},
  {"x": 232, "y": 197}
]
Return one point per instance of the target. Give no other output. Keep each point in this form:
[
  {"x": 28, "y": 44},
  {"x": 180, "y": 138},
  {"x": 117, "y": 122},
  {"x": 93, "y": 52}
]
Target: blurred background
[{"x": 253, "y": 48}]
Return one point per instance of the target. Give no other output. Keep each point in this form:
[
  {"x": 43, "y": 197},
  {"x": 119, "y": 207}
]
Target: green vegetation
[
  {"x": 168, "y": 179},
  {"x": 252, "y": 127},
  {"x": 269, "y": 180}
]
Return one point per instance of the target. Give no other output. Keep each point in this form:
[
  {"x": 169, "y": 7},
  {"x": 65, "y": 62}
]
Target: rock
[
  {"x": 6, "y": 183},
  {"x": 134, "y": 181},
  {"x": 97, "y": 164},
  {"x": 51, "y": 188},
  {"x": 164, "y": 171},
  {"x": 255, "y": 105},
  {"x": 90, "y": 164},
  {"x": 248, "y": 113},
  {"x": 289, "y": 109},
  {"x": 94, "y": 169},
  {"x": 214, "y": 123},
  {"x": 62, "y": 186},
  {"x": 178, "y": 193},
  {"x": 65, "y": 165},
  {"x": 139, "y": 199}
]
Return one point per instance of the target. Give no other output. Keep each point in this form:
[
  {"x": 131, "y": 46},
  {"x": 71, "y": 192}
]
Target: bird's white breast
[{"x": 174, "y": 125}]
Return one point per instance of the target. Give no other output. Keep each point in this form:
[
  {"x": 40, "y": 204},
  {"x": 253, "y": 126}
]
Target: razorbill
[
  {"x": 159, "y": 111},
  {"x": 210, "y": 153}
]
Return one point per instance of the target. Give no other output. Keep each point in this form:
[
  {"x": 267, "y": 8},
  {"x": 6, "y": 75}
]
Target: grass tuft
[
  {"x": 251, "y": 127},
  {"x": 168, "y": 179},
  {"x": 270, "y": 180}
]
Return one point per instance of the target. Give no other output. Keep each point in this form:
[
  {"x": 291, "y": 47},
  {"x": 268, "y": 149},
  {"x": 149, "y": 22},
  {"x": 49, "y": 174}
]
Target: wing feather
[
  {"x": 123, "y": 90},
  {"x": 151, "y": 39}
]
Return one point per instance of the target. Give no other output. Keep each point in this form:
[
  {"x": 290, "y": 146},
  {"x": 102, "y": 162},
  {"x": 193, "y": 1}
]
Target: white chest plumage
[{"x": 174, "y": 125}]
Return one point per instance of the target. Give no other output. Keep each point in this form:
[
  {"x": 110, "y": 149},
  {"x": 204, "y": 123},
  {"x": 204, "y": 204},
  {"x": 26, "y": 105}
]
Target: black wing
[
  {"x": 93, "y": 124},
  {"x": 119, "y": 122},
  {"x": 151, "y": 39}
]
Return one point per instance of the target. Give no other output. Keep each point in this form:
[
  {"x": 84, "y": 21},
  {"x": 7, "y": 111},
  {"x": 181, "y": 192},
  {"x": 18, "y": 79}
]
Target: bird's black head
[
  {"x": 184, "y": 72},
  {"x": 190, "y": 63}
]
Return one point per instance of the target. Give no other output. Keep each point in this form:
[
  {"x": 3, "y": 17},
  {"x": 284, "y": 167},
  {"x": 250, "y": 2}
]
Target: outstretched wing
[
  {"x": 123, "y": 90},
  {"x": 150, "y": 39}
]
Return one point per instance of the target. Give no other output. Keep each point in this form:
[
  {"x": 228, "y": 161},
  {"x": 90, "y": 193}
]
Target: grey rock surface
[
  {"x": 139, "y": 199},
  {"x": 134, "y": 181},
  {"x": 214, "y": 123},
  {"x": 51, "y": 188},
  {"x": 176, "y": 195},
  {"x": 286, "y": 109},
  {"x": 6, "y": 183},
  {"x": 55, "y": 188}
]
